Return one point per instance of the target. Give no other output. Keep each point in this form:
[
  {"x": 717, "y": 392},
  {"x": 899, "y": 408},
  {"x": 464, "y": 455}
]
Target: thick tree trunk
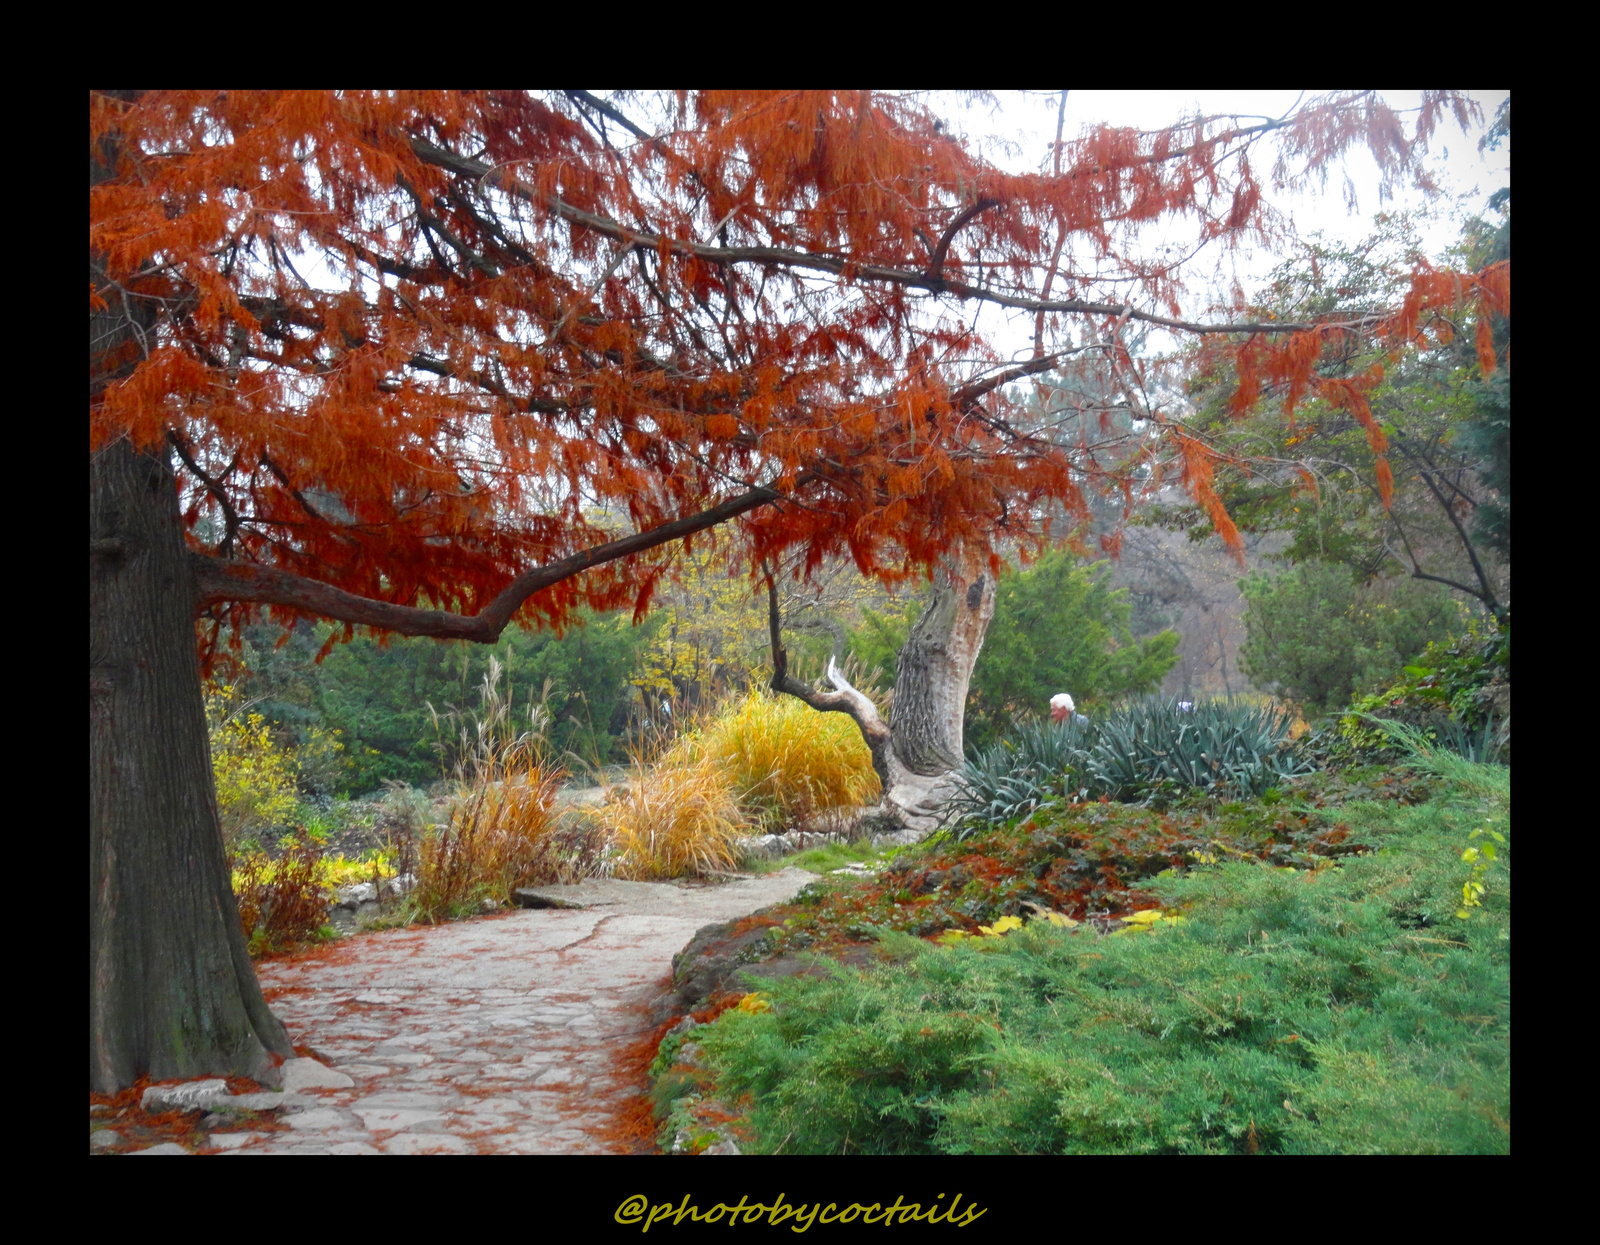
[
  {"x": 914, "y": 759},
  {"x": 172, "y": 992}
]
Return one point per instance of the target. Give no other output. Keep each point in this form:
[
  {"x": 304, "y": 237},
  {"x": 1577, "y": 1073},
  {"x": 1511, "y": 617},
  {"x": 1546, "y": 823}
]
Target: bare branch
[
  {"x": 844, "y": 699},
  {"x": 600, "y": 106},
  {"x": 214, "y": 487},
  {"x": 936, "y": 264},
  {"x": 1486, "y": 595}
]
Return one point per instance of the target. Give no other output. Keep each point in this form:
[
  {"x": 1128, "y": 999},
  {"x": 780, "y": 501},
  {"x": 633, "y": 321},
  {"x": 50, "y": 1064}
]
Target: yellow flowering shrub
[{"x": 256, "y": 776}]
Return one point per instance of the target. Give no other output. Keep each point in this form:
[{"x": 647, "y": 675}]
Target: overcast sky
[{"x": 1028, "y": 120}]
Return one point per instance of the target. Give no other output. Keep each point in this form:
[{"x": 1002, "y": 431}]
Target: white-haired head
[{"x": 1061, "y": 707}]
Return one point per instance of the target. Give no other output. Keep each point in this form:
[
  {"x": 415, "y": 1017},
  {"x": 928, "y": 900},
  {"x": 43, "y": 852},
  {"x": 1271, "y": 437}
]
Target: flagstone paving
[{"x": 494, "y": 1035}]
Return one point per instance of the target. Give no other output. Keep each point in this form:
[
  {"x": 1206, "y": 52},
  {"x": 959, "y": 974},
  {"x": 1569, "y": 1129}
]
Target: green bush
[
  {"x": 1343, "y": 1009},
  {"x": 378, "y": 694},
  {"x": 877, "y": 642},
  {"x": 1321, "y": 635},
  {"x": 1448, "y": 677}
]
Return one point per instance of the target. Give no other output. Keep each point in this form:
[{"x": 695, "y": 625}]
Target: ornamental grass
[
  {"x": 503, "y": 831},
  {"x": 788, "y": 761},
  {"x": 677, "y": 816}
]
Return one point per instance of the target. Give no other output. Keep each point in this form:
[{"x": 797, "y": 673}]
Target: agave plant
[
  {"x": 1488, "y": 745},
  {"x": 1131, "y": 752},
  {"x": 1040, "y": 763}
]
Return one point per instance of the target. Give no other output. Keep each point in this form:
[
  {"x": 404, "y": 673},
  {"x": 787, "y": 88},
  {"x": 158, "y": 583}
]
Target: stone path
[{"x": 493, "y": 1035}]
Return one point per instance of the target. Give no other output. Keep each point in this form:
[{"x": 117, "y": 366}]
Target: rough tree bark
[
  {"x": 172, "y": 992},
  {"x": 916, "y": 757}
]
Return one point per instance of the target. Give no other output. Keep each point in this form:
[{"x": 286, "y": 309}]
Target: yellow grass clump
[
  {"x": 675, "y": 817},
  {"x": 503, "y": 831},
  {"x": 788, "y": 761},
  {"x": 502, "y": 834}
]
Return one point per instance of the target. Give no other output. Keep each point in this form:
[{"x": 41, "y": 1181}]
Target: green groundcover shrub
[{"x": 1360, "y": 1007}]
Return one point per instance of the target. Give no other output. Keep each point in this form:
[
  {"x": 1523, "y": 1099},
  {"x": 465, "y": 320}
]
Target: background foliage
[
  {"x": 377, "y": 694},
  {"x": 1320, "y": 634},
  {"x": 1059, "y": 627}
]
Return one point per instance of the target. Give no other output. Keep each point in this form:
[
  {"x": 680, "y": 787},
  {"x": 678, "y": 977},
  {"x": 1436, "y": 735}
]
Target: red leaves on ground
[{"x": 139, "y": 1129}]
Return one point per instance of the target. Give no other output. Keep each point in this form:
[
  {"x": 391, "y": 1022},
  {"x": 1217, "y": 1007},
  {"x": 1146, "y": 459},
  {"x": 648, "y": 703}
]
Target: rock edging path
[{"x": 494, "y": 1035}]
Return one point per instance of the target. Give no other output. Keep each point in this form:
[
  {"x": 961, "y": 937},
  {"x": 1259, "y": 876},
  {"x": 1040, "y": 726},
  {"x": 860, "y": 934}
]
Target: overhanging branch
[
  {"x": 844, "y": 699},
  {"x": 783, "y": 257},
  {"x": 220, "y": 581}
]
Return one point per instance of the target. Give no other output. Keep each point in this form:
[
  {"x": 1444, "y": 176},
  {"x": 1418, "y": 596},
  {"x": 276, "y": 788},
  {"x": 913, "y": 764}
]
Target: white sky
[{"x": 1028, "y": 119}]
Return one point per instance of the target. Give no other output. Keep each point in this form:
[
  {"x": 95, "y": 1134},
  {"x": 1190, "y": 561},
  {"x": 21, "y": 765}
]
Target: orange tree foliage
[{"x": 419, "y": 353}]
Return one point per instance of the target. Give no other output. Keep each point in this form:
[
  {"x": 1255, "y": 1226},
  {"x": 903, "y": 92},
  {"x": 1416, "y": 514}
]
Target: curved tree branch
[
  {"x": 936, "y": 263},
  {"x": 219, "y": 581},
  {"x": 843, "y": 699}
]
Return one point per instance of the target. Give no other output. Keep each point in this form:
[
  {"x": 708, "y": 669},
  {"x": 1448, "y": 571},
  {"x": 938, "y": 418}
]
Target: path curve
[{"x": 493, "y": 1035}]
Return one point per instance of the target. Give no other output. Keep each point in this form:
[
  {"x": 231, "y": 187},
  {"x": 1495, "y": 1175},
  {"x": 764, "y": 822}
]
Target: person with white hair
[{"x": 1062, "y": 708}]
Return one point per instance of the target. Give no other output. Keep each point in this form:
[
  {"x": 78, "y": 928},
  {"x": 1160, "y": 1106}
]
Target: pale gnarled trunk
[{"x": 915, "y": 757}]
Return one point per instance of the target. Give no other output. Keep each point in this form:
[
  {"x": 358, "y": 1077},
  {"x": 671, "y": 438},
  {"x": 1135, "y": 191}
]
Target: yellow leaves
[
  {"x": 753, "y": 1004},
  {"x": 1003, "y": 926},
  {"x": 1480, "y": 858},
  {"x": 1055, "y": 918},
  {"x": 1148, "y": 921},
  {"x": 255, "y": 777},
  {"x": 332, "y": 872}
]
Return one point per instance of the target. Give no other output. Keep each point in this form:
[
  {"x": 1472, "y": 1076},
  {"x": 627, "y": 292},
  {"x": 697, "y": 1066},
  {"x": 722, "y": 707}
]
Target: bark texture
[
  {"x": 934, "y": 671},
  {"x": 172, "y": 992}
]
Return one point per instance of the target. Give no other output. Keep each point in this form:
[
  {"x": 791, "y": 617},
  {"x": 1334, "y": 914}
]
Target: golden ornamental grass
[
  {"x": 503, "y": 831},
  {"x": 675, "y": 817},
  {"x": 789, "y": 760},
  {"x": 502, "y": 834}
]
